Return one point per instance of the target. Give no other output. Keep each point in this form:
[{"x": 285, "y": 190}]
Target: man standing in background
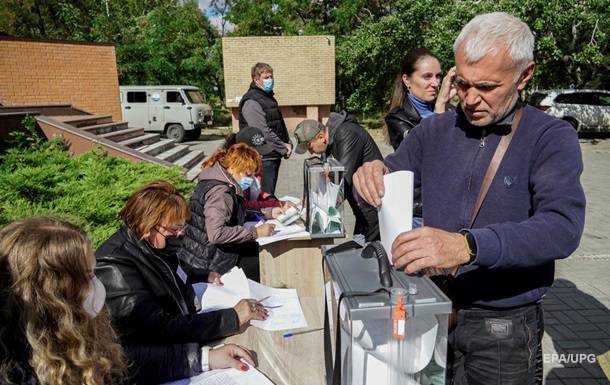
[{"x": 258, "y": 108}]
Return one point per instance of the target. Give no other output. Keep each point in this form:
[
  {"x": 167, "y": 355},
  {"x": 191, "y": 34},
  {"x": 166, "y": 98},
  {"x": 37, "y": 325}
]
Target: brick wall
[
  {"x": 44, "y": 72},
  {"x": 303, "y": 67}
]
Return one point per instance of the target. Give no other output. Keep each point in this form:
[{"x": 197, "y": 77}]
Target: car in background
[
  {"x": 585, "y": 110},
  {"x": 179, "y": 112}
]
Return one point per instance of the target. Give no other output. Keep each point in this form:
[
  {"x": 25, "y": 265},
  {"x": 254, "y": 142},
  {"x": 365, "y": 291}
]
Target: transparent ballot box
[
  {"x": 323, "y": 196},
  {"x": 375, "y": 344}
]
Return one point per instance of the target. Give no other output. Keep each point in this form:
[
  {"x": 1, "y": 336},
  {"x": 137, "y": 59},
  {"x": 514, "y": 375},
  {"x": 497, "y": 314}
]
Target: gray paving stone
[
  {"x": 592, "y": 335},
  {"x": 576, "y": 317},
  {"x": 570, "y": 344},
  {"x": 594, "y": 370},
  {"x": 583, "y": 327}
]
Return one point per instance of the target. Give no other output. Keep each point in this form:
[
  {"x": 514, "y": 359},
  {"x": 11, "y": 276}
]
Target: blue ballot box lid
[{"x": 350, "y": 272}]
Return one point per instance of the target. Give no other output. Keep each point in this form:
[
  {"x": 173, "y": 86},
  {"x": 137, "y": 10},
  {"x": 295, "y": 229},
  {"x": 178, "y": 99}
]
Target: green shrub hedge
[{"x": 88, "y": 189}]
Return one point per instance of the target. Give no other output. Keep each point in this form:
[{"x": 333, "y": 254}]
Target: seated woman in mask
[
  {"x": 215, "y": 237},
  {"x": 259, "y": 204},
  {"x": 54, "y": 328},
  {"x": 152, "y": 307}
]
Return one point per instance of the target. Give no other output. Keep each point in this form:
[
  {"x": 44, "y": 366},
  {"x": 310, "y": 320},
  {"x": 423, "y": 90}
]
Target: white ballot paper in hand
[
  {"x": 284, "y": 308},
  {"x": 226, "y": 377},
  {"x": 396, "y": 212}
]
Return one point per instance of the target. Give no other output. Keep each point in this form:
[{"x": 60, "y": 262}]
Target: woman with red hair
[{"x": 215, "y": 238}]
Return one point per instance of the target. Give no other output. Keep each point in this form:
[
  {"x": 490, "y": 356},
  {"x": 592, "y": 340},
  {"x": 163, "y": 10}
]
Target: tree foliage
[
  {"x": 157, "y": 41},
  {"x": 170, "y": 41},
  {"x": 88, "y": 189},
  {"x": 572, "y": 37}
]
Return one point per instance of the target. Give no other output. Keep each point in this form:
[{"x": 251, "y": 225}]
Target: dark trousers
[
  {"x": 271, "y": 167},
  {"x": 248, "y": 261},
  {"x": 496, "y": 347}
]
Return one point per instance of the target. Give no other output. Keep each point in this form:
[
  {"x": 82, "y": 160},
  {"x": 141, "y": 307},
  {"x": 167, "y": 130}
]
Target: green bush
[{"x": 88, "y": 189}]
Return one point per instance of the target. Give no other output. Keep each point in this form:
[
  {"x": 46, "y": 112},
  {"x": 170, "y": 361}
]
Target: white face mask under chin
[{"x": 94, "y": 302}]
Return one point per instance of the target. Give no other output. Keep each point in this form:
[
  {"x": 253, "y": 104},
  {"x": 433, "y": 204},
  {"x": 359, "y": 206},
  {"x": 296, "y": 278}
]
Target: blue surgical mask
[
  {"x": 245, "y": 182},
  {"x": 268, "y": 85}
]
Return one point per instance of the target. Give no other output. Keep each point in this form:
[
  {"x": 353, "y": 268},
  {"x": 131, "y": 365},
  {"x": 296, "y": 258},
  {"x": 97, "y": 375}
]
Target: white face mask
[{"x": 94, "y": 302}]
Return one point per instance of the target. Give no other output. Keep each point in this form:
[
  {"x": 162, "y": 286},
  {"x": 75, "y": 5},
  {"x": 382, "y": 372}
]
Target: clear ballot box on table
[
  {"x": 369, "y": 352},
  {"x": 323, "y": 197}
]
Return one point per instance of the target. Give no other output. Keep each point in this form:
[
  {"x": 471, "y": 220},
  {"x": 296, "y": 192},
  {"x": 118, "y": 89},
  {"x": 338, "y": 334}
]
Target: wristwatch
[{"x": 472, "y": 245}]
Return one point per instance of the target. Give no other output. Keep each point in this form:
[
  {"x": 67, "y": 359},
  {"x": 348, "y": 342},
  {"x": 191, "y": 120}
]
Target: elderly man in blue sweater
[{"x": 497, "y": 239}]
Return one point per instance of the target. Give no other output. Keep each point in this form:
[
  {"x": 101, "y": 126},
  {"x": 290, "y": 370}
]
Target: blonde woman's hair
[{"x": 45, "y": 275}]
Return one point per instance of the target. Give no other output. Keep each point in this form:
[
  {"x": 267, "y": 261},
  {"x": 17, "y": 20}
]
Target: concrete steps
[
  {"x": 122, "y": 135},
  {"x": 190, "y": 159},
  {"x": 84, "y": 120},
  {"x": 194, "y": 171},
  {"x": 141, "y": 140},
  {"x": 99, "y": 129},
  {"x": 158, "y": 147},
  {"x": 177, "y": 152},
  {"x": 137, "y": 139}
]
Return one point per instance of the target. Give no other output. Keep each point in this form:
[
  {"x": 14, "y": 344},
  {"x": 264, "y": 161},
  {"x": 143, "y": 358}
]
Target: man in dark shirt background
[
  {"x": 258, "y": 108},
  {"x": 533, "y": 213},
  {"x": 346, "y": 140}
]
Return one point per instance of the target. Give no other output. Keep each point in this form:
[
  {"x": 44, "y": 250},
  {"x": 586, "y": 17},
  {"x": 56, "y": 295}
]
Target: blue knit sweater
[{"x": 534, "y": 211}]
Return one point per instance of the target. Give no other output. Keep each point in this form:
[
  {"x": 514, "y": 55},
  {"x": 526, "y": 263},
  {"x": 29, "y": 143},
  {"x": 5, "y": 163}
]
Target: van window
[
  {"x": 173, "y": 97},
  {"x": 195, "y": 96},
  {"x": 575, "y": 98},
  {"x": 136, "y": 97}
]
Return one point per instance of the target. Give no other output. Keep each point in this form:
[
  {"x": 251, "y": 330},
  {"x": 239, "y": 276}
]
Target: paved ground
[{"x": 577, "y": 314}]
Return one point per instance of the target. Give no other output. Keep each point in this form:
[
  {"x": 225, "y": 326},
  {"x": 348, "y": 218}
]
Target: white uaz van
[{"x": 179, "y": 112}]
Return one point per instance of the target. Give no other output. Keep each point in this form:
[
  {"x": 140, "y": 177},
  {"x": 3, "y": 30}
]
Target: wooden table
[{"x": 300, "y": 359}]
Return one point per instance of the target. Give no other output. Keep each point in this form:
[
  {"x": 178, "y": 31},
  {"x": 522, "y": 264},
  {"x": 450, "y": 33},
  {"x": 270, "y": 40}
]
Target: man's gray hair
[
  {"x": 489, "y": 32},
  {"x": 259, "y": 68}
]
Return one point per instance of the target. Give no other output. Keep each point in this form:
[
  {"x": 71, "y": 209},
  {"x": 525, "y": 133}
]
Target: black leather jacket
[
  {"x": 350, "y": 144},
  {"x": 154, "y": 312},
  {"x": 401, "y": 120}
]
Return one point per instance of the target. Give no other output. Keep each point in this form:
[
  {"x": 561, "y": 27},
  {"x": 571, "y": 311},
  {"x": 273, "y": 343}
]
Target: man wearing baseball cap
[
  {"x": 254, "y": 138},
  {"x": 346, "y": 140}
]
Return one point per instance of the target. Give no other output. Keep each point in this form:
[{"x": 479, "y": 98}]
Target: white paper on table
[
  {"x": 396, "y": 212},
  {"x": 289, "y": 314},
  {"x": 226, "y": 377},
  {"x": 283, "y": 232},
  {"x": 235, "y": 288},
  {"x": 293, "y": 200},
  {"x": 289, "y": 216}
]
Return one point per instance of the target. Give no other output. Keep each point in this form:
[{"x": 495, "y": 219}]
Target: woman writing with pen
[
  {"x": 215, "y": 238},
  {"x": 152, "y": 307}
]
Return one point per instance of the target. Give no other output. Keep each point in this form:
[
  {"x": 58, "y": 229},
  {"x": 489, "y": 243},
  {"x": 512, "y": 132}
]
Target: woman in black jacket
[
  {"x": 418, "y": 93},
  {"x": 152, "y": 307},
  {"x": 417, "y": 96}
]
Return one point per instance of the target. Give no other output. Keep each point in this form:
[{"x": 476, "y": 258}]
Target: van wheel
[
  {"x": 572, "y": 121},
  {"x": 175, "y": 132},
  {"x": 194, "y": 134}
]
